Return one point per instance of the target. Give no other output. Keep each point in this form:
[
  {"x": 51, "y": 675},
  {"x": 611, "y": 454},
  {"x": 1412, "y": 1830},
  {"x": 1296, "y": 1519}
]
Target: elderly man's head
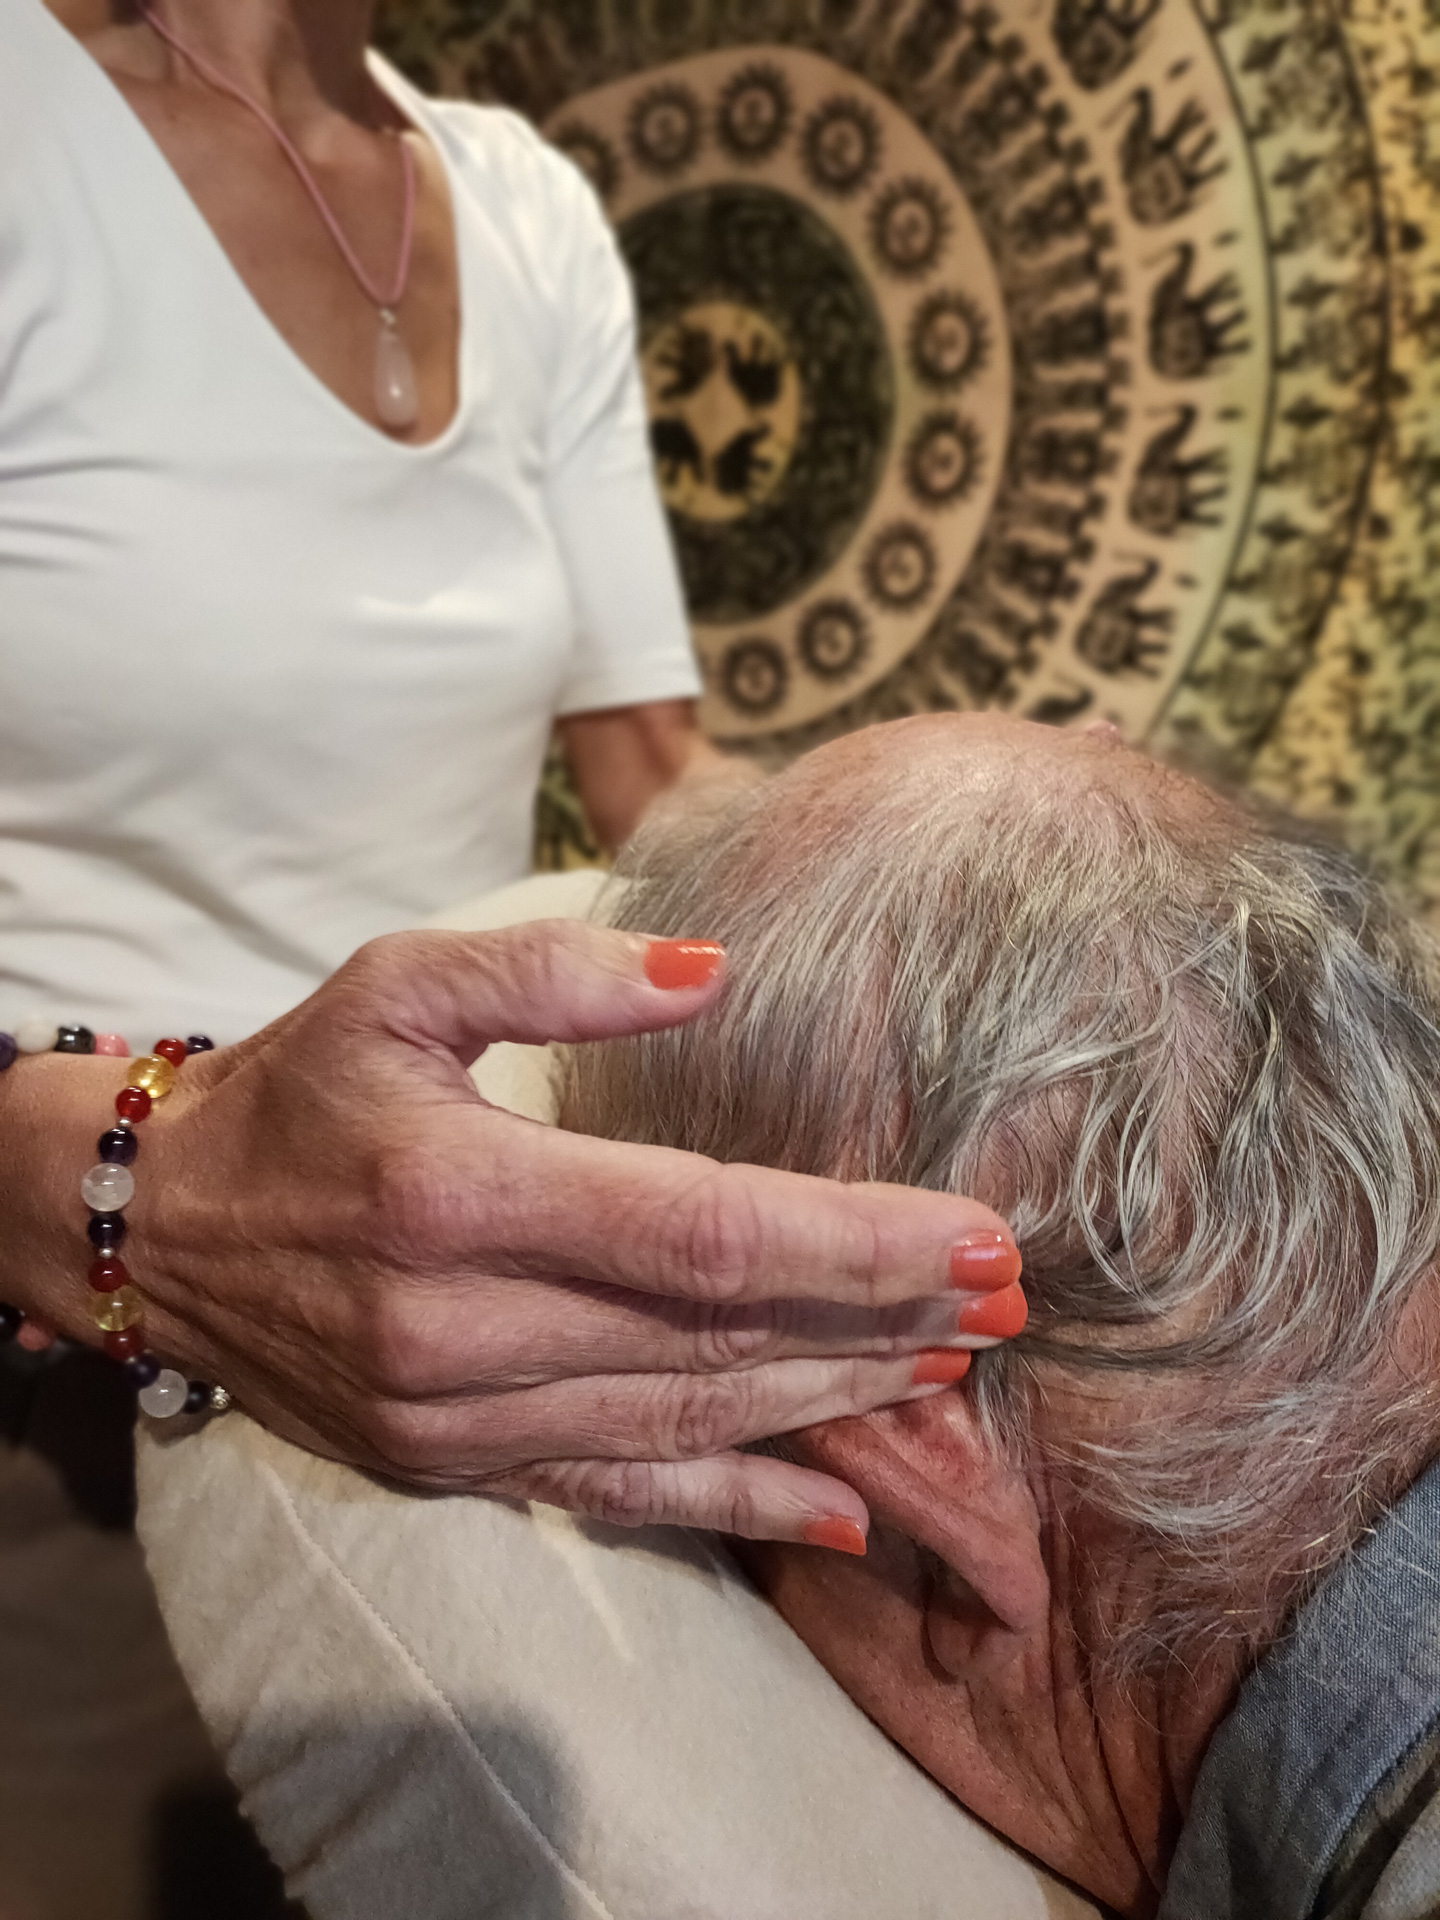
[{"x": 1196, "y": 1063}]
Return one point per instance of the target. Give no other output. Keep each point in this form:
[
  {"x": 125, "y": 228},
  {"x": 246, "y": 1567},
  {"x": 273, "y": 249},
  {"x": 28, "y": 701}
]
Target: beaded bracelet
[{"x": 107, "y": 1190}]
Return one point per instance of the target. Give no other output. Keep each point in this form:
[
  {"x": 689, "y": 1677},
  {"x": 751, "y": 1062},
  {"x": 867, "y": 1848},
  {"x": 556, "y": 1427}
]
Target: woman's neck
[{"x": 294, "y": 56}]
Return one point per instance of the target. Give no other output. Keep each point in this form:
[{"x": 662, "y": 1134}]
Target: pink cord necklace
[{"x": 397, "y": 397}]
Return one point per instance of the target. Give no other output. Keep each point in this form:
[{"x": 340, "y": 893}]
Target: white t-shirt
[{"x": 270, "y": 682}]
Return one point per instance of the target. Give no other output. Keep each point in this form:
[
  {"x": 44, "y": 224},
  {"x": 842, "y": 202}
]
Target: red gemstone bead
[
  {"x": 175, "y": 1051},
  {"x": 125, "y": 1344},
  {"x": 132, "y": 1103},
  {"x": 107, "y": 1274}
]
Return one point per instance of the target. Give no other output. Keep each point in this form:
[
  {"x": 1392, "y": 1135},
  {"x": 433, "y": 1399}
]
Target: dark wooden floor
[{"x": 112, "y": 1804}]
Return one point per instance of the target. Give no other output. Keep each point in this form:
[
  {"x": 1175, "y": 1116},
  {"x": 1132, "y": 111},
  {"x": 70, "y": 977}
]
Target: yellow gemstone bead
[
  {"x": 115, "y": 1311},
  {"x": 154, "y": 1075}
]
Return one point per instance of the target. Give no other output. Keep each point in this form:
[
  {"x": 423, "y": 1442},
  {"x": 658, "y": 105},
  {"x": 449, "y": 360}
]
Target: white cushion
[{"x": 457, "y": 1707}]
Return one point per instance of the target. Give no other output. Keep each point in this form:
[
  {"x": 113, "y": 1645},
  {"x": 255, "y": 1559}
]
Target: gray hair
[{"x": 1192, "y": 1055}]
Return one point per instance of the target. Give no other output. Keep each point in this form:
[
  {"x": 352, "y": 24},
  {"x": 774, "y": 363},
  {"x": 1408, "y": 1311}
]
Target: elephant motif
[
  {"x": 1164, "y": 172},
  {"x": 1097, "y": 39},
  {"x": 1166, "y": 494},
  {"x": 1118, "y": 635},
  {"x": 1190, "y": 332}
]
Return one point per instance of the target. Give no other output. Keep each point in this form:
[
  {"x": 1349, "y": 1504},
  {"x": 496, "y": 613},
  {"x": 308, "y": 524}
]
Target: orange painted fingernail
[
  {"x": 844, "y": 1536},
  {"x": 1002, "y": 1315},
  {"x": 941, "y": 1368},
  {"x": 673, "y": 964},
  {"x": 983, "y": 1262}
]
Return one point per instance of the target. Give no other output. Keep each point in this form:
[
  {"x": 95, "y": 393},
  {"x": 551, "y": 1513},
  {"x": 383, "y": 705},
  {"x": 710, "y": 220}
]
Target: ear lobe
[{"x": 927, "y": 1470}]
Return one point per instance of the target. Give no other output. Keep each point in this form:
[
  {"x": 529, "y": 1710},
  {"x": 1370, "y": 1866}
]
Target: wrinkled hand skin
[{"x": 379, "y": 1266}]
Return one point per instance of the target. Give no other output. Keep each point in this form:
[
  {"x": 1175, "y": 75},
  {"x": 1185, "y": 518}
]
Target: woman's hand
[{"x": 380, "y": 1266}]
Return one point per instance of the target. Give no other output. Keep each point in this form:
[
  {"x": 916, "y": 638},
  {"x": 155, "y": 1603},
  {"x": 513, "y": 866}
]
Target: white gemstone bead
[
  {"x": 166, "y": 1394},
  {"x": 38, "y": 1034},
  {"x": 107, "y": 1188}
]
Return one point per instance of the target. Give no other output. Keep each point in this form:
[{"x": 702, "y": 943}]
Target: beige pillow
[{"x": 455, "y": 1707}]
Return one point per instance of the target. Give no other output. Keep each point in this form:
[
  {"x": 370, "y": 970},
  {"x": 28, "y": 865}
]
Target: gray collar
[{"x": 1324, "y": 1717}]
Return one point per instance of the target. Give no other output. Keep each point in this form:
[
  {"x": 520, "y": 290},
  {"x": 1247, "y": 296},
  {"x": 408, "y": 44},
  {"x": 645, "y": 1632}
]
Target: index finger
[{"x": 661, "y": 1221}]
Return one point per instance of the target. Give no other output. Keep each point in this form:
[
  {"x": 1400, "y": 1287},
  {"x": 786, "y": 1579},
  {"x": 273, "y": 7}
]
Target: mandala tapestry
[{"x": 1075, "y": 357}]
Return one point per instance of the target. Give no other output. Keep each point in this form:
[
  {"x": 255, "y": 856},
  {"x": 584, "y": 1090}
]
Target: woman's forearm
[{"x": 623, "y": 758}]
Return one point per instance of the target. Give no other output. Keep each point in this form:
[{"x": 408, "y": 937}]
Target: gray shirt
[{"x": 1319, "y": 1796}]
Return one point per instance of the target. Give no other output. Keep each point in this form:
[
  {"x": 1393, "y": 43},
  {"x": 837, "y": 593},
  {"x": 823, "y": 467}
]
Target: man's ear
[{"x": 927, "y": 1470}]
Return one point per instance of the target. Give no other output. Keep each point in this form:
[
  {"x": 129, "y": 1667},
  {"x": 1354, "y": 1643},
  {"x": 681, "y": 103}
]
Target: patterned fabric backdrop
[{"x": 1078, "y": 357}]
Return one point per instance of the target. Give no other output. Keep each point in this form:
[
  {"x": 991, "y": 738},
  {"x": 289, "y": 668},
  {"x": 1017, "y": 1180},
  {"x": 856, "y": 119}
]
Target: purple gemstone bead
[
  {"x": 106, "y": 1232},
  {"x": 199, "y": 1043},
  {"x": 118, "y": 1145},
  {"x": 8, "y": 1051},
  {"x": 11, "y": 1321},
  {"x": 142, "y": 1370}
]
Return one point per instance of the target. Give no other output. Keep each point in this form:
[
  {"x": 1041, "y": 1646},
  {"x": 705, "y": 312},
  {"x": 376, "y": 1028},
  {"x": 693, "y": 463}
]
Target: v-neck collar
[{"x": 232, "y": 287}]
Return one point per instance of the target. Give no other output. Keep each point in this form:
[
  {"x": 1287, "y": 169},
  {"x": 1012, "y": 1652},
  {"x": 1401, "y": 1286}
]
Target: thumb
[{"x": 544, "y": 980}]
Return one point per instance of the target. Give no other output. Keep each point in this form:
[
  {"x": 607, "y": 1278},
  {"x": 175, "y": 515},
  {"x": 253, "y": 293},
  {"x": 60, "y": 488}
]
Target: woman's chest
[
  {"x": 313, "y": 241},
  {"x": 198, "y": 543},
  {"x": 206, "y": 622},
  {"x": 197, "y": 535}
]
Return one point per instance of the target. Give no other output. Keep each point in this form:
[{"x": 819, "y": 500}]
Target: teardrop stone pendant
[{"x": 397, "y": 398}]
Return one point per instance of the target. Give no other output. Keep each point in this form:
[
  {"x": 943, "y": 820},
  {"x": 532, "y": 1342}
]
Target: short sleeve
[{"x": 632, "y": 640}]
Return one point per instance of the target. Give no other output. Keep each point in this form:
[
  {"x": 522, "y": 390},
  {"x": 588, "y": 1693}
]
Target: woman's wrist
[
  {"x": 53, "y": 1107},
  {"x": 41, "y": 1305}
]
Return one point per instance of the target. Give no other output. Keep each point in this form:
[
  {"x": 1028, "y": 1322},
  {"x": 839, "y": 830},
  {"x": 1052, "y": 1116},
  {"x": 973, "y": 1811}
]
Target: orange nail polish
[
  {"x": 983, "y": 1262},
  {"x": 673, "y": 964},
  {"x": 1002, "y": 1315},
  {"x": 940, "y": 1368},
  {"x": 844, "y": 1536}
]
